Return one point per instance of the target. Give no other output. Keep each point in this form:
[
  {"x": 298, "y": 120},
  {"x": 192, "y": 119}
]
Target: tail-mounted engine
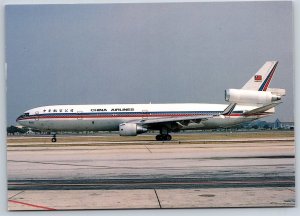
[
  {"x": 241, "y": 96},
  {"x": 131, "y": 129}
]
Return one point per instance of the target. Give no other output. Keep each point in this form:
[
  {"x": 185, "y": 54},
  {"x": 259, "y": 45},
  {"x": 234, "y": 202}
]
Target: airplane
[{"x": 253, "y": 101}]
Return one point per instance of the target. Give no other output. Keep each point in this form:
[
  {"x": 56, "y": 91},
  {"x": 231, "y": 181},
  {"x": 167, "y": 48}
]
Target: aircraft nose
[{"x": 19, "y": 118}]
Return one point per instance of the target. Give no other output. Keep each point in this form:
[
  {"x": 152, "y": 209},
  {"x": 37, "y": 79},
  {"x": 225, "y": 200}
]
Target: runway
[{"x": 264, "y": 166}]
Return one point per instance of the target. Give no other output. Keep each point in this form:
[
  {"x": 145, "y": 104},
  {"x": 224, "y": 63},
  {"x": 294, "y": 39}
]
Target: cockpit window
[{"x": 24, "y": 115}]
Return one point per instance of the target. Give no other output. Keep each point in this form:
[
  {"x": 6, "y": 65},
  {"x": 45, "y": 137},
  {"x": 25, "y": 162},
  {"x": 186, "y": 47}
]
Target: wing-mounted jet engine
[{"x": 131, "y": 129}]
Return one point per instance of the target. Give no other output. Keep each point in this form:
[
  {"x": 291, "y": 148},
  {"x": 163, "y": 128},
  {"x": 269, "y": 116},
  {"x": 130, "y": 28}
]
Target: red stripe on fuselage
[
  {"x": 122, "y": 116},
  {"x": 106, "y": 116}
]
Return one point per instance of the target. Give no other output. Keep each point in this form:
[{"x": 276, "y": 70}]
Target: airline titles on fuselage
[
  {"x": 92, "y": 110},
  {"x": 112, "y": 110}
]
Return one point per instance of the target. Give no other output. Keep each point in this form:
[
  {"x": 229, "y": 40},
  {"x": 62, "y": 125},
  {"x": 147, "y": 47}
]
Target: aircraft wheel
[
  {"x": 163, "y": 137},
  {"x": 53, "y": 139},
  {"x": 168, "y": 137},
  {"x": 159, "y": 137}
]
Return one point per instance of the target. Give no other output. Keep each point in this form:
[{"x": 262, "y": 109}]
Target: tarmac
[{"x": 144, "y": 174}]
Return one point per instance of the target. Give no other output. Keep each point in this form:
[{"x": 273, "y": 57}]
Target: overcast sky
[{"x": 141, "y": 53}]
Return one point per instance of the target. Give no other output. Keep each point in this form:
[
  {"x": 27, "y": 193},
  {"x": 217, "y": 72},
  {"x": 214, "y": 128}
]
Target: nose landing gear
[{"x": 53, "y": 138}]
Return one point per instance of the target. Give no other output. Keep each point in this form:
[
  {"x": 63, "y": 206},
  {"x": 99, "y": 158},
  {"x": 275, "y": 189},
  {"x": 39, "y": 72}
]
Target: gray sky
[{"x": 137, "y": 53}]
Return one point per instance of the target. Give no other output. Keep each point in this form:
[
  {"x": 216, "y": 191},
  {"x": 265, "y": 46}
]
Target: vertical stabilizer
[{"x": 262, "y": 79}]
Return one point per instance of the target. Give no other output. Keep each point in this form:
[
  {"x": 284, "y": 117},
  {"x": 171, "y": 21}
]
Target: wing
[
  {"x": 172, "y": 123},
  {"x": 176, "y": 123}
]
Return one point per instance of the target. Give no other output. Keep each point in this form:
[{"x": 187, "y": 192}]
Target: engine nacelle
[
  {"x": 131, "y": 129},
  {"x": 241, "y": 96},
  {"x": 277, "y": 91}
]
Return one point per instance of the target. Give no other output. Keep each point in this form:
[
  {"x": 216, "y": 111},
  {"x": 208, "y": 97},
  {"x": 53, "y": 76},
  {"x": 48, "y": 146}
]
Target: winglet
[
  {"x": 229, "y": 109},
  {"x": 262, "y": 79}
]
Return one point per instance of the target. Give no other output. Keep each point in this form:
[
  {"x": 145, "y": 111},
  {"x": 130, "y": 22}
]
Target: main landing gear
[
  {"x": 163, "y": 137},
  {"x": 53, "y": 138}
]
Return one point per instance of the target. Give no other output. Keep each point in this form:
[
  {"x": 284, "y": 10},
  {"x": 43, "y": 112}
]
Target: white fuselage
[{"x": 109, "y": 117}]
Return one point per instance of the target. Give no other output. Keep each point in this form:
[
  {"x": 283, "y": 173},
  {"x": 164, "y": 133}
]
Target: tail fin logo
[
  {"x": 261, "y": 80},
  {"x": 258, "y": 78},
  {"x": 267, "y": 81}
]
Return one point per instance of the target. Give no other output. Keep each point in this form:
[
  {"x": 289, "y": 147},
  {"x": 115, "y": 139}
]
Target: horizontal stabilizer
[{"x": 262, "y": 109}]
